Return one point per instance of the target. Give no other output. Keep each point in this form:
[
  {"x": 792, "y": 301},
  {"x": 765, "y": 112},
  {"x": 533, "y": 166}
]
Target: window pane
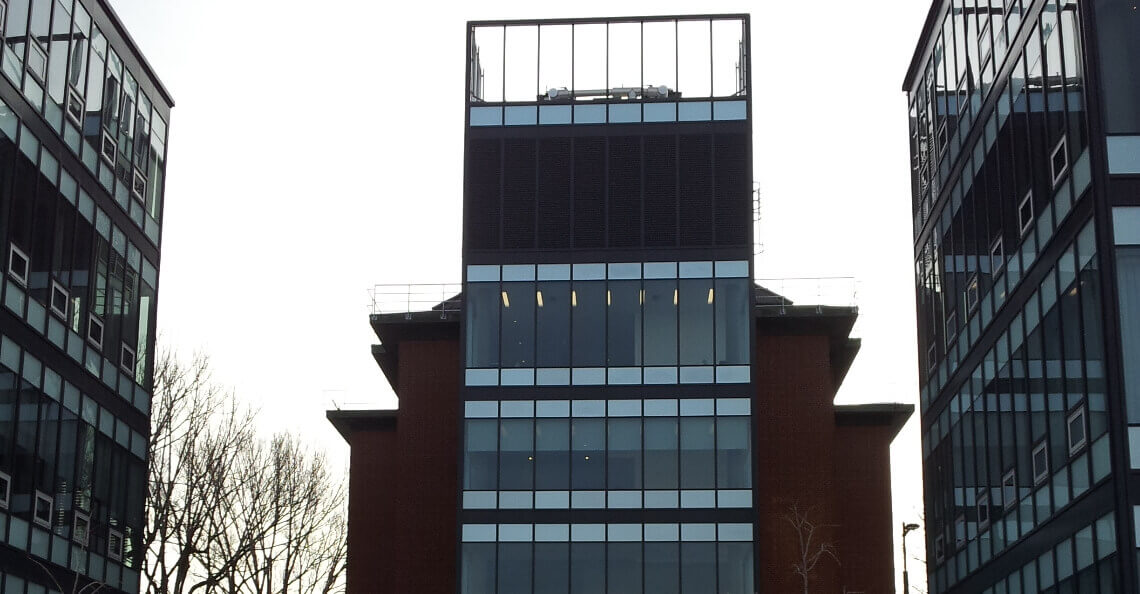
[
  {"x": 660, "y": 453},
  {"x": 731, "y": 300},
  {"x": 552, "y": 459},
  {"x": 662, "y": 567},
  {"x": 588, "y": 470},
  {"x": 586, "y": 562},
  {"x": 733, "y": 448},
  {"x": 698, "y": 567},
  {"x": 552, "y": 567},
  {"x": 482, "y": 325},
  {"x": 478, "y": 568},
  {"x": 660, "y": 322},
  {"x": 588, "y": 303},
  {"x": 517, "y": 454},
  {"x": 624, "y": 335},
  {"x": 480, "y": 460},
  {"x": 624, "y": 568},
  {"x": 735, "y": 567},
  {"x": 696, "y": 322},
  {"x": 697, "y": 458},
  {"x": 518, "y": 324},
  {"x": 553, "y": 324},
  {"x": 624, "y": 454},
  {"x": 514, "y": 567}
]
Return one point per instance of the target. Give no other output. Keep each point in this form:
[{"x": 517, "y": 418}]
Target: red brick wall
[
  {"x": 403, "y": 536},
  {"x": 795, "y": 426},
  {"x": 838, "y": 478},
  {"x": 866, "y": 529}
]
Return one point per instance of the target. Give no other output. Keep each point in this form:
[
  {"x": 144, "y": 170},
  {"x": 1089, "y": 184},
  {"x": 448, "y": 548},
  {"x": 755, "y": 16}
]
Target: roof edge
[
  {"x": 348, "y": 422},
  {"x": 892, "y": 414},
  {"x": 130, "y": 41},
  {"x": 920, "y": 47}
]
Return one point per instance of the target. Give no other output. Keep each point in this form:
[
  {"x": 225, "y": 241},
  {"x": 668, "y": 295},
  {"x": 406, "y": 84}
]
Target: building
[
  {"x": 83, "y": 127},
  {"x": 609, "y": 402},
  {"x": 1025, "y": 150}
]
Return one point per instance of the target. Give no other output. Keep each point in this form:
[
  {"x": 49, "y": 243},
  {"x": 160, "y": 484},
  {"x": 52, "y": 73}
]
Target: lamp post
[{"x": 906, "y": 528}]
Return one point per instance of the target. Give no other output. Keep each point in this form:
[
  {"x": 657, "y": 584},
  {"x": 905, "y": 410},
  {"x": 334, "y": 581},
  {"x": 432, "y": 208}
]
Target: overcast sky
[{"x": 304, "y": 168}]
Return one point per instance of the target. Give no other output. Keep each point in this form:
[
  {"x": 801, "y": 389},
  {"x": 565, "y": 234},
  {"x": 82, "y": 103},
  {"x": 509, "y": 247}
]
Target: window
[
  {"x": 138, "y": 186},
  {"x": 960, "y": 531},
  {"x": 939, "y": 548},
  {"x": 81, "y": 528},
  {"x": 95, "y": 331},
  {"x": 983, "y": 510},
  {"x": 997, "y": 256},
  {"x": 1040, "y": 463},
  {"x": 37, "y": 59},
  {"x": 18, "y": 265},
  {"x": 1025, "y": 213},
  {"x": 59, "y": 297},
  {"x": 972, "y": 292},
  {"x": 127, "y": 359},
  {"x": 107, "y": 151},
  {"x": 1059, "y": 161},
  {"x": 1076, "y": 430},
  {"x": 74, "y": 106},
  {"x": 951, "y": 327},
  {"x": 43, "y": 509},
  {"x": 931, "y": 358},
  {"x": 1009, "y": 489},
  {"x": 5, "y": 486},
  {"x": 115, "y": 545},
  {"x": 942, "y": 137}
]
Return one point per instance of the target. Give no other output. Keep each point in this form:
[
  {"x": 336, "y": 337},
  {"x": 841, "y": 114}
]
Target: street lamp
[{"x": 907, "y": 528}]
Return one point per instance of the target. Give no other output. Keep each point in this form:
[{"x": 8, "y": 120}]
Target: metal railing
[
  {"x": 389, "y": 299},
  {"x": 834, "y": 291}
]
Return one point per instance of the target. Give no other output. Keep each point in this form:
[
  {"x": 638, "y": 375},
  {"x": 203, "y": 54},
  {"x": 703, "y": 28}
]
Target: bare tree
[
  {"x": 813, "y": 546},
  {"x": 228, "y": 511}
]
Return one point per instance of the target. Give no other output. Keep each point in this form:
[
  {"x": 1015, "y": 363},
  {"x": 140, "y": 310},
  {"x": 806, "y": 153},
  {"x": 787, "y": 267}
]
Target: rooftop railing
[{"x": 780, "y": 293}]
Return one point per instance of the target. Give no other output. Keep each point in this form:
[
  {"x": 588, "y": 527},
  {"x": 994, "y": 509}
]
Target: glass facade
[
  {"x": 83, "y": 134},
  {"x": 607, "y": 308},
  {"x": 620, "y": 454},
  {"x": 1015, "y": 307},
  {"x": 619, "y": 558},
  {"x": 618, "y": 323}
]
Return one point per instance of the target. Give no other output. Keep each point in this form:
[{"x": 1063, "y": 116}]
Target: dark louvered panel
[
  {"x": 589, "y": 192},
  {"x": 696, "y": 190},
  {"x": 484, "y": 173},
  {"x": 660, "y": 191},
  {"x": 518, "y": 193},
  {"x": 554, "y": 193},
  {"x": 624, "y": 210},
  {"x": 733, "y": 190}
]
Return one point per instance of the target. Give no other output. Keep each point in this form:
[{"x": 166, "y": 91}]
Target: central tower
[{"x": 607, "y": 254}]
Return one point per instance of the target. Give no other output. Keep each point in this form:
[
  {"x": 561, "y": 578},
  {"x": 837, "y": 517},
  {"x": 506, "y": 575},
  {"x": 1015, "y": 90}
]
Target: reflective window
[
  {"x": 516, "y": 457},
  {"x": 698, "y": 464},
  {"x": 552, "y": 567},
  {"x": 481, "y": 451},
  {"x": 552, "y": 456},
  {"x": 586, "y": 563},
  {"x": 515, "y": 564},
  {"x": 663, "y": 567},
  {"x": 660, "y": 311},
  {"x": 695, "y": 303},
  {"x": 553, "y": 324},
  {"x": 698, "y": 567},
  {"x": 624, "y": 454},
  {"x": 624, "y": 323},
  {"x": 733, "y": 450},
  {"x": 732, "y": 329},
  {"x": 478, "y": 568},
  {"x": 518, "y": 305},
  {"x": 589, "y": 445},
  {"x": 661, "y": 440},
  {"x": 482, "y": 312},
  {"x": 623, "y": 559},
  {"x": 588, "y": 304}
]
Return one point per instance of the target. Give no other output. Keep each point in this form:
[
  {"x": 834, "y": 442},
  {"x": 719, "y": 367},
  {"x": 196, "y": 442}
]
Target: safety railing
[
  {"x": 390, "y": 299},
  {"x": 781, "y": 293}
]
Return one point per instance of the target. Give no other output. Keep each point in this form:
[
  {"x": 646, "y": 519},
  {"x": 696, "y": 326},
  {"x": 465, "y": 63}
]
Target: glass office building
[
  {"x": 608, "y": 402},
  {"x": 83, "y": 130},
  {"x": 606, "y": 439},
  {"x": 1024, "y": 146}
]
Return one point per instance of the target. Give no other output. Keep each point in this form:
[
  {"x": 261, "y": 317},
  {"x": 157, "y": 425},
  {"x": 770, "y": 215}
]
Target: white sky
[{"x": 304, "y": 153}]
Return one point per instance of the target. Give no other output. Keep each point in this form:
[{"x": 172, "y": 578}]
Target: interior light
[
  {"x": 674, "y": 296},
  {"x": 608, "y": 299},
  {"x": 641, "y": 298},
  {"x": 710, "y": 296},
  {"x": 538, "y": 296},
  {"x": 573, "y": 298},
  {"x": 506, "y": 300}
]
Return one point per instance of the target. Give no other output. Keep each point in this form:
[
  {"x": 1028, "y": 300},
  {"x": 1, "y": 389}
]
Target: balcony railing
[
  {"x": 444, "y": 298},
  {"x": 779, "y": 293}
]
